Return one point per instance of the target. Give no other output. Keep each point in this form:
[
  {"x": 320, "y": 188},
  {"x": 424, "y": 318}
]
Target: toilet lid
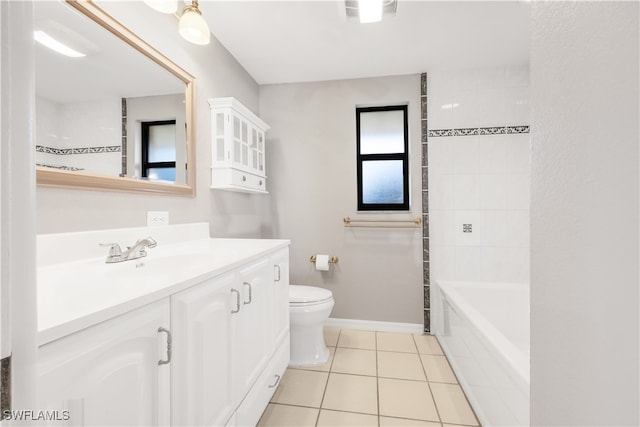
[{"x": 304, "y": 294}]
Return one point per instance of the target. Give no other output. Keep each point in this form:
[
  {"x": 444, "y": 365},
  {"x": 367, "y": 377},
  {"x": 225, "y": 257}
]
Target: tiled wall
[
  {"x": 478, "y": 175},
  {"x": 67, "y": 138}
]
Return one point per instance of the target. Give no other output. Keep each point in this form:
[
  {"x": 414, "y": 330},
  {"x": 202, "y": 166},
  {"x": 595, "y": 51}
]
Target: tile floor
[{"x": 372, "y": 379}]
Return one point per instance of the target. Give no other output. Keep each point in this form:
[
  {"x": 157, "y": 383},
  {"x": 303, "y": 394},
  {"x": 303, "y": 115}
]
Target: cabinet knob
[
  {"x": 250, "y": 293},
  {"x": 244, "y": 178},
  {"x": 169, "y": 346},
  {"x": 237, "y": 309},
  {"x": 260, "y": 182}
]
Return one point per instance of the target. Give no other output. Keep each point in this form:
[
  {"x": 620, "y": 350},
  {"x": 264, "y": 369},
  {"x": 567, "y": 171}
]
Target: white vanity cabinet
[
  {"x": 201, "y": 372},
  {"x": 225, "y": 337},
  {"x": 238, "y": 147},
  {"x": 109, "y": 374}
]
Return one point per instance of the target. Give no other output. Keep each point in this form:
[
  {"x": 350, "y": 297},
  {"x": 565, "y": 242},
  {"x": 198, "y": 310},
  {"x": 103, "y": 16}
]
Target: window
[
  {"x": 159, "y": 150},
  {"x": 383, "y": 158}
]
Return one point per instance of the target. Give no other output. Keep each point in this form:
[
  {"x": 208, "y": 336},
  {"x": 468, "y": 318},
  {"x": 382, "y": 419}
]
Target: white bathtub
[{"x": 484, "y": 330}]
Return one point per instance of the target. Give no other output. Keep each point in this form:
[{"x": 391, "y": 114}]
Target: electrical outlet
[{"x": 157, "y": 218}]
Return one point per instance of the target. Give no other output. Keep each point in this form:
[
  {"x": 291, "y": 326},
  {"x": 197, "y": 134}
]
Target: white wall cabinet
[
  {"x": 230, "y": 347},
  {"x": 109, "y": 374},
  {"x": 238, "y": 147}
]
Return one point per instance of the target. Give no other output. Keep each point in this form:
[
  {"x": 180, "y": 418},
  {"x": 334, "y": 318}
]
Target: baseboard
[{"x": 373, "y": 325}]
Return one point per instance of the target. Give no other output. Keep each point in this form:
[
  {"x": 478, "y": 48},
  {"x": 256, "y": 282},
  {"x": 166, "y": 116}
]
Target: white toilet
[{"x": 309, "y": 307}]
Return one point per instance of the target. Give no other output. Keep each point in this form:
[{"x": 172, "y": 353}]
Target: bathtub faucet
[{"x": 138, "y": 250}]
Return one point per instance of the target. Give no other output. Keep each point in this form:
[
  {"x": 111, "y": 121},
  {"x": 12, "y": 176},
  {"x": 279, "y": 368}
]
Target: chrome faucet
[{"x": 138, "y": 250}]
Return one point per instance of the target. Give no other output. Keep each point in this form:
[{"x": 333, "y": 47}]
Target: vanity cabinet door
[
  {"x": 253, "y": 325},
  {"x": 280, "y": 261},
  {"x": 201, "y": 375},
  {"x": 108, "y": 374}
]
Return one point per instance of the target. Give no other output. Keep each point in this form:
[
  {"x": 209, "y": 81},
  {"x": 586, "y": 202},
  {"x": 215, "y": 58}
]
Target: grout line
[
  {"x": 377, "y": 380},
  {"x": 328, "y": 376},
  {"x": 435, "y": 405}
]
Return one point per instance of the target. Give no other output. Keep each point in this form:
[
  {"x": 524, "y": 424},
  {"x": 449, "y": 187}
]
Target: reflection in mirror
[{"x": 98, "y": 89}]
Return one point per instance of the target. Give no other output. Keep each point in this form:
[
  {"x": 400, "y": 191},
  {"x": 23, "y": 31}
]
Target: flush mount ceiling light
[
  {"x": 164, "y": 6},
  {"x": 53, "y": 44},
  {"x": 366, "y": 11},
  {"x": 192, "y": 25}
]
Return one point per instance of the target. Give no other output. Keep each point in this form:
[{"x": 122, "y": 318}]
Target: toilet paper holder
[{"x": 332, "y": 260}]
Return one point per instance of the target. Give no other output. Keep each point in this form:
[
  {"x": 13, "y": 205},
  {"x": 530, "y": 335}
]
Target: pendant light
[{"x": 192, "y": 26}]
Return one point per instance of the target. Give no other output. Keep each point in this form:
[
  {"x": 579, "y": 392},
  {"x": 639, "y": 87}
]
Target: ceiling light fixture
[
  {"x": 164, "y": 6},
  {"x": 370, "y": 11},
  {"x": 365, "y": 11},
  {"x": 192, "y": 25},
  {"x": 53, "y": 44}
]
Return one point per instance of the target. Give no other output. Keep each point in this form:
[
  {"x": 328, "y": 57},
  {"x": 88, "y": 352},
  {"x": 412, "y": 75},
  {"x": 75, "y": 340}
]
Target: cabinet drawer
[
  {"x": 245, "y": 179},
  {"x": 254, "y": 404}
]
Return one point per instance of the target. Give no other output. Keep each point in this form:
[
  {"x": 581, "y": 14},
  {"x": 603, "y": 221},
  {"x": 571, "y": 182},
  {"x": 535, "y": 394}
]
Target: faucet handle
[
  {"x": 151, "y": 243},
  {"x": 114, "y": 248}
]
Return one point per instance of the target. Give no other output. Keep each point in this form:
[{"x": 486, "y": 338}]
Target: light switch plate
[{"x": 157, "y": 218}]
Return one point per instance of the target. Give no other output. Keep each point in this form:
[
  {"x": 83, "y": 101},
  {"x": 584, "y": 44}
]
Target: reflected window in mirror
[{"x": 159, "y": 150}]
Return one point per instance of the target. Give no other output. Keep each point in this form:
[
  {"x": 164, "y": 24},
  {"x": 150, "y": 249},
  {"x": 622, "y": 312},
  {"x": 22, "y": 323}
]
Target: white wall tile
[
  {"x": 517, "y": 106},
  {"x": 441, "y": 191},
  {"x": 518, "y": 228},
  {"x": 517, "y": 152},
  {"x": 441, "y": 156},
  {"x": 519, "y": 265},
  {"x": 465, "y": 114},
  {"x": 490, "y": 77},
  {"x": 516, "y": 76},
  {"x": 494, "y": 228},
  {"x": 442, "y": 260},
  {"x": 492, "y": 154},
  {"x": 466, "y": 192},
  {"x": 474, "y": 218},
  {"x": 492, "y": 190},
  {"x": 495, "y": 264},
  {"x": 468, "y": 263},
  {"x": 465, "y": 152},
  {"x": 492, "y": 111},
  {"x": 518, "y": 191},
  {"x": 442, "y": 227}
]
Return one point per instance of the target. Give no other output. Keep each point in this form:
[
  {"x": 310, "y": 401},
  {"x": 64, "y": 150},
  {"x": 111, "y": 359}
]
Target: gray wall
[
  {"x": 311, "y": 164},
  {"x": 584, "y": 214},
  {"x": 217, "y": 74}
]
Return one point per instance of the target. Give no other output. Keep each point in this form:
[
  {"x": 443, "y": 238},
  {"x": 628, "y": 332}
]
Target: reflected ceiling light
[
  {"x": 449, "y": 106},
  {"x": 164, "y": 6},
  {"x": 370, "y": 11},
  {"x": 365, "y": 11},
  {"x": 53, "y": 44},
  {"x": 192, "y": 25}
]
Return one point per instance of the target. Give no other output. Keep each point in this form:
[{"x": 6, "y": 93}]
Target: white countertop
[{"x": 78, "y": 294}]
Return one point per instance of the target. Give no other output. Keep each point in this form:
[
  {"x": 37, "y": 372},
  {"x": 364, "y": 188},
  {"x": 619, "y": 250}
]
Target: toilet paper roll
[{"x": 322, "y": 262}]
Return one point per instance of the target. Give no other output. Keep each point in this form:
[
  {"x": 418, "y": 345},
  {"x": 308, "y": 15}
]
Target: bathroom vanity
[{"x": 195, "y": 333}]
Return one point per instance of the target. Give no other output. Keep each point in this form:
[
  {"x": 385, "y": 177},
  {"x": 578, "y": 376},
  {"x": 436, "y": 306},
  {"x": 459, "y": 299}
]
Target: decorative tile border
[
  {"x": 496, "y": 130},
  {"x": 64, "y": 168},
  {"x": 79, "y": 150},
  {"x": 426, "y": 279}
]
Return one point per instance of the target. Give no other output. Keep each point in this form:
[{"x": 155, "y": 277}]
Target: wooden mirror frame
[{"x": 88, "y": 181}]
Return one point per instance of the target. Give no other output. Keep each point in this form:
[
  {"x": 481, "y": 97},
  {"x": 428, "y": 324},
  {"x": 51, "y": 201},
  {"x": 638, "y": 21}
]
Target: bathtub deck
[{"x": 372, "y": 379}]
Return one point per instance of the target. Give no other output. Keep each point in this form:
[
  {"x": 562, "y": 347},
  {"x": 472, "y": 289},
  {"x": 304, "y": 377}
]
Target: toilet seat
[{"x": 302, "y": 296}]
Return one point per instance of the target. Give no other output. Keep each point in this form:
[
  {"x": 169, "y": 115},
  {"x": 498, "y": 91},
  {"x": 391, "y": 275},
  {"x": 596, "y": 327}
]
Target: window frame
[
  {"x": 146, "y": 164},
  {"x": 404, "y": 157}
]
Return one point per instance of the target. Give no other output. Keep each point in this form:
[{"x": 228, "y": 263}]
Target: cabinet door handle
[
  {"x": 275, "y": 383},
  {"x": 277, "y": 278},
  {"x": 237, "y": 301},
  {"x": 250, "y": 293},
  {"x": 169, "y": 345}
]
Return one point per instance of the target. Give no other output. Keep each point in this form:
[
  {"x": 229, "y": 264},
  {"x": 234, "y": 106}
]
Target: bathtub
[{"x": 483, "y": 329}]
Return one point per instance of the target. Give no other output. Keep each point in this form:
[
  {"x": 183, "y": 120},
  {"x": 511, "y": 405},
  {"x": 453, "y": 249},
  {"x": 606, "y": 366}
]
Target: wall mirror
[{"x": 112, "y": 112}]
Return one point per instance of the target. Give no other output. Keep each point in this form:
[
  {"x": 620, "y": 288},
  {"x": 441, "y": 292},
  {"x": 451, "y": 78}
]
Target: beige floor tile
[
  {"x": 403, "y": 422},
  {"x": 285, "y": 415},
  {"x": 352, "y": 393},
  {"x": 357, "y": 339},
  {"x": 346, "y": 419},
  {"x": 300, "y": 387},
  {"x": 391, "y": 341},
  {"x": 427, "y": 344},
  {"x": 326, "y": 367},
  {"x": 406, "y": 399},
  {"x": 452, "y": 404},
  {"x": 331, "y": 336},
  {"x": 438, "y": 369},
  {"x": 354, "y": 361},
  {"x": 400, "y": 365}
]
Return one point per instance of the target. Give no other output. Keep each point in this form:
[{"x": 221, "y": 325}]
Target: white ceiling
[{"x": 296, "y": 41}]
